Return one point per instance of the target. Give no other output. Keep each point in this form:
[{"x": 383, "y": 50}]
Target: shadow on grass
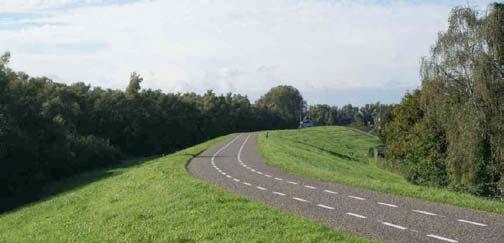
[
  {"x": 341, "y": 156},
  {"x": 56, "y": 187}
]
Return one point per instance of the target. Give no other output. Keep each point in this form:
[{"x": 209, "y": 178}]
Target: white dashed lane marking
[
  {"x": 329, "y": 191},
  {"x": 442, "y": 238},
  {"x": 424, "y": 212},
  {"x": 358, "y": 198},
  {"x": 325, "y": 206},
  {"x": 471, "y": 222},
  {"x": 300, "y": 199},
  {"x": 394, "y": 225},
  {"x": 387, "y": 204},
  {"x": 357, "y": 215}
]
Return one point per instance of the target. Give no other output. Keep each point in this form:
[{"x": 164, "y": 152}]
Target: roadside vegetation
[
  {"x": 155, "y": 200},
  {"x": 340, "y": 155},
  {"x": 449, "y": 133}
]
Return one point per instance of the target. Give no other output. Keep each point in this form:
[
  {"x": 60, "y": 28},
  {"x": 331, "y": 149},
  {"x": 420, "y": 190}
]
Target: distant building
[{"x": 307, "y": 122}]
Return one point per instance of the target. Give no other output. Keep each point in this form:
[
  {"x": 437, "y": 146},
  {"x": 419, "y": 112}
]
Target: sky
[{"x": 334, "y": 51}]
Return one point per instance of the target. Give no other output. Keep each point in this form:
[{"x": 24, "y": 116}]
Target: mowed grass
[
  {"x": 339, "y": 154},
  {"x": 156, "y": 201}
]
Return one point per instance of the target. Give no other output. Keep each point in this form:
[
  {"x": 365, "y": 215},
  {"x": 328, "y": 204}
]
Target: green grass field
[
  {"x": 339, "y": 154},
  {"x": 157, "y": 200}
]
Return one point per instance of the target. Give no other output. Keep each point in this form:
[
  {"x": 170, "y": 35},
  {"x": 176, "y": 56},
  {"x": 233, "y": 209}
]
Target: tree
[
  {"x": 285, "y": 100},
  {"x": 134, "y": 85}
]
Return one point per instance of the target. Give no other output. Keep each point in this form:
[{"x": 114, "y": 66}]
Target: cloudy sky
[{"x": 333, "y": 51}]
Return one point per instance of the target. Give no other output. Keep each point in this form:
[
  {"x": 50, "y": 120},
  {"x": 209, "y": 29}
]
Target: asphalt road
[{"x": 237, "y": 166}]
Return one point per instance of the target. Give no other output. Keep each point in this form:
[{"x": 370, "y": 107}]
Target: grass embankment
[
  {"x": 339, "y": 154},
  {"x": 156, "y": 200}
]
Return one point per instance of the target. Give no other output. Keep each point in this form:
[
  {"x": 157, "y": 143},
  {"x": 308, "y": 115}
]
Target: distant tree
[
  {"x": 134, "y": 85},
  {"x": 285, "y": 100},
  {"x": 321, "y": 115}
]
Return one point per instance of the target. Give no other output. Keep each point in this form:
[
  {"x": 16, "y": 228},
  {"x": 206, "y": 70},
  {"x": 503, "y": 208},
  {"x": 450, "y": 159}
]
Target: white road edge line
[
  {"x": 329, "y": 191},
  {"x": 291, "y": 182},
  {"x": 246, "y": 183},
  {"x": 358, "y": 198},
  {"x": 278, "y": 179},
  {"x": 236, "y": 180},
  {"x": 424, "y": 212},
  {"x": 261, "y": 188},
  {"x": 310, "y": 187},
  {"x": 267, "y": 175},
  {"x": 442, "y": 238},
  {"x": 300, "y": 199},
  {"x": 394, "y": 225},
  {"x": 258, "y": 172},
  {"x": 357, "y": 215},
  {"x": 471, "y": 222},
  {"x": 279, "y": 193},
  {"x": 325, "y": 206},
  {"x": 228, "y": 176},
  {"x": 387, "y": 204}
]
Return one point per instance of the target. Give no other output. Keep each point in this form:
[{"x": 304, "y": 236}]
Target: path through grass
[
  {"x": 339, "y": 154},
  {"x": 156, "y": 201}
]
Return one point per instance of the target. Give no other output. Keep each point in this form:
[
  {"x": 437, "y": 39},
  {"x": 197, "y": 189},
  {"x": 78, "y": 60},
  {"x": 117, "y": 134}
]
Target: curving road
[{"x": 237, "y": 166}]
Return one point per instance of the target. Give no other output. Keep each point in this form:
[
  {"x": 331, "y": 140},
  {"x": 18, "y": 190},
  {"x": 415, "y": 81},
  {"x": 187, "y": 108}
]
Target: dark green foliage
[
  {"x": 415, "y": 145},
  {"x": 286, "y": 101},
  {"x": 370, "y": 116},
  {"x": 451, "y": 133},
  {"x": 50, "y": 130}
]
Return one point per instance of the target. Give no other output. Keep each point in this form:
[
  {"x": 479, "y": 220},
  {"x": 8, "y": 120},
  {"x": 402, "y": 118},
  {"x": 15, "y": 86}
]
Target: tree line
[
  {"x": 450, "y": 132},
  {"x": 50, "y": 130},
  {"x": 367, "y": 117}
]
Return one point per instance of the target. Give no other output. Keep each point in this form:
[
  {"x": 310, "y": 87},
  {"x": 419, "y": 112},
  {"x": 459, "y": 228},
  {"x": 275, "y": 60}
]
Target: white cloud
[
  {"x": 34, "y": 5},
  {"x": 239, "y": 46}
]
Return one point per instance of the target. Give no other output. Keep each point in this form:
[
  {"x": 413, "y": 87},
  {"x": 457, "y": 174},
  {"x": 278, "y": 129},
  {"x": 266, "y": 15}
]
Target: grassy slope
[
  {"x": 155, "y": 201},
  {"x": 339, "y": 154}
]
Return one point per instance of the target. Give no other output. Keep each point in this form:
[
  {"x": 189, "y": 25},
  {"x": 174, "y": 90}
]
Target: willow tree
[{"x": 463, "y": 92}]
